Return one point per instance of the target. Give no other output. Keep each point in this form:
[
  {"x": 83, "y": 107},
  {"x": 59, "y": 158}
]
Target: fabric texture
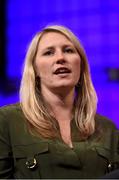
[{"x": 23, "y": 155}]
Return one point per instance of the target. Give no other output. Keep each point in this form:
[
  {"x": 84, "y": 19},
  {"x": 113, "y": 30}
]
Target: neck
[{"x": 59, "y": 102}]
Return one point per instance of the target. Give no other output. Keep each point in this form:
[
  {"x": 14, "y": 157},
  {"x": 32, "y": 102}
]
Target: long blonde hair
[{"x": 32, "y": 103}]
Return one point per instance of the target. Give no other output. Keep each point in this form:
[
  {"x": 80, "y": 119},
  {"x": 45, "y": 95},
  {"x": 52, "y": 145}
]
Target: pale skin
[{"x": 55, "y": 51}]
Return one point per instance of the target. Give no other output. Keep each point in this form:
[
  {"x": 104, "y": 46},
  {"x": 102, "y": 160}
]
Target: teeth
[{"x": 62, "y": 70}]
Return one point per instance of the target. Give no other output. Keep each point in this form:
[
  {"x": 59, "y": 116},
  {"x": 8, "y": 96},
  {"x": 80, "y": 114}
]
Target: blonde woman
[{"x": 54, "y": 132}]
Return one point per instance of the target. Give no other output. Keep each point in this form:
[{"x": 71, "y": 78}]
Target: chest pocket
[
  {"x": 110, "y": 158},
  {"x": 29, "y": 160}
]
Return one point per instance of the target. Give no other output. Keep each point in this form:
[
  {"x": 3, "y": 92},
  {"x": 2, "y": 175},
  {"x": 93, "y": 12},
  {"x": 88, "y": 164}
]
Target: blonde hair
[{"x": 32, "y": 103}]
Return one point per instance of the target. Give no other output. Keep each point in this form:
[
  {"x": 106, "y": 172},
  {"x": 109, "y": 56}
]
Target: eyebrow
[{"x": 51, "y": 47}]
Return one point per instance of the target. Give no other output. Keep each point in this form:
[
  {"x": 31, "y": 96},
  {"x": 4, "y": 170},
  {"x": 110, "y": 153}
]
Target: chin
[{"x": 66, "y": 85}]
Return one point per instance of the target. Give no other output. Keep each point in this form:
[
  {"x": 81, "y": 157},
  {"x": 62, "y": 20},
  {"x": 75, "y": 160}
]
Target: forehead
[{"x": 52, "y": 39}]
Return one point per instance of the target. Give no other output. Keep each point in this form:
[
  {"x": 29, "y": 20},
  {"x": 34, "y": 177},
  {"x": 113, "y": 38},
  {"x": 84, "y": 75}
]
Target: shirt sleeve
[
  {"x": 116, "y": 149},
  {"x": 6, "y": 160}
]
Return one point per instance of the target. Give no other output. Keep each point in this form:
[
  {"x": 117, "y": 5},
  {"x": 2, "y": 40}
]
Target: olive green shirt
[{"x": 23, "y": 155}]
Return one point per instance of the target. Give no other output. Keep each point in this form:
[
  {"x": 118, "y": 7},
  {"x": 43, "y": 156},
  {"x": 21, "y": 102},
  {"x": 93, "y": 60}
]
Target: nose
[
  {"x": 60, "y": 58},
  {"x": 61, "y": 61}
]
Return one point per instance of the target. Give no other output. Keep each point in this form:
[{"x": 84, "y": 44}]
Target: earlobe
[
  {"x": 37, "y": 82},
  {"x": 78, "y": 84},
  {"x": 37, "y": 78}
]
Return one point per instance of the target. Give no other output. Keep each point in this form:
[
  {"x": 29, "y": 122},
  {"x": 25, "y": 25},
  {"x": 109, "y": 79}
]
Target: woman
[{"x": 54, "y": 132}]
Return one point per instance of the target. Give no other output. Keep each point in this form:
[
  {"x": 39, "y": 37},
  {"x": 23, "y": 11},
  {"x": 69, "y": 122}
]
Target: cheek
[
  {"x": 76, "y": 70},
  {"x": 77, "y": 67},
  {"x": 41, "y": 68}
]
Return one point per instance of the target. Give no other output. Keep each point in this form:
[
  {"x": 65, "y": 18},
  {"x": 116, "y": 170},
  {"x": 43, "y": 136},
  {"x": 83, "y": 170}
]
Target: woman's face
[{"x": 57, "y": 62}]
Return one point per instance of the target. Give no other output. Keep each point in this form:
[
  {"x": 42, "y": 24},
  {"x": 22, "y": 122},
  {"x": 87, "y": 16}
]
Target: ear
[
  {"x": 37, "y": 82},
  {"x": 78, "y": 84}
]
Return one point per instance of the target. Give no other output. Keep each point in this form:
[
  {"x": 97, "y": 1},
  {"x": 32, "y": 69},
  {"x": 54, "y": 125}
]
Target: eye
[
  {"x": 48, "y": 53},
  {"x": 69, "y": 50}
]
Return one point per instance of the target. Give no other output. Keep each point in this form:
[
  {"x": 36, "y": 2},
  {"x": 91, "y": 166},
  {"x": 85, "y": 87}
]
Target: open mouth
[{"x": 62, "y": 70}]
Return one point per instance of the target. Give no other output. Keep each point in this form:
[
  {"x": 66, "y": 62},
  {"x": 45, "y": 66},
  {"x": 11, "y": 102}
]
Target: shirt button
[
  {"x": 109, "y": 167},
  {"x": 31, "y": 163}
]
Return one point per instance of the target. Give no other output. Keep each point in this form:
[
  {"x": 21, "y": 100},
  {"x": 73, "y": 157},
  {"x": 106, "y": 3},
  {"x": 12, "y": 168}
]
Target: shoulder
[
  {"x": 104, "y": 121},
  {"x": 13, "y": 125},
  {"x": 9, "y": 108},
  {"x": 10, "y": 121},
  {"x": 10, "y": 113}
]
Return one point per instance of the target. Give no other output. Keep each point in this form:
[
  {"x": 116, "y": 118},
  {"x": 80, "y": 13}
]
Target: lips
[{"x": 62, "y": 70}]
